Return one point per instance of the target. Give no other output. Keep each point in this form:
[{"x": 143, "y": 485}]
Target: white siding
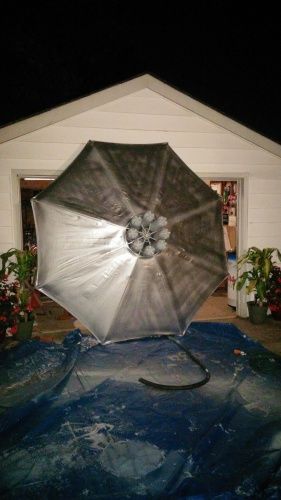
[
  {"x": 140, "y": 121},
  {"x": 6, "y": 222},
  {"x": 5, "y": 218},
  {"x": 149, "y": 104},
  {"x": 4, "y": 184},
  {"x": 5, "y": 201},
  {"x": 80, "y": 135},
  {"x": 265, "y": 212},
  {"x": 146, "y": 116}
]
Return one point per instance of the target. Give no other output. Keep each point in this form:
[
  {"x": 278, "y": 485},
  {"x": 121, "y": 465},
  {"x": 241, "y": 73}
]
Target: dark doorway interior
[{"x": 30, "y": 187}]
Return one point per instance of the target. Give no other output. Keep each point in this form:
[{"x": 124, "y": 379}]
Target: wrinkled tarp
[{"x": 101, "y": 434}]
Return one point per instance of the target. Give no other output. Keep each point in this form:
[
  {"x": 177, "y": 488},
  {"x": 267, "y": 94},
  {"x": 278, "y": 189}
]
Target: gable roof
[{"x": 123, "y": 89}]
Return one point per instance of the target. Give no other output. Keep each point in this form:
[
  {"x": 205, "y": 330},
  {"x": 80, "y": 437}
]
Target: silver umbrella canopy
[{"x": 130, "y": 241}]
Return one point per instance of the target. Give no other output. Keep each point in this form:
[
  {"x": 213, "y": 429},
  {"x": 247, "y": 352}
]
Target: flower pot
[
  {"x": 24, "y": 330},
  {"x": 2, "y": 333},
  {"x": 276, "y": 315},
  {"x": 257, "y": 314}
]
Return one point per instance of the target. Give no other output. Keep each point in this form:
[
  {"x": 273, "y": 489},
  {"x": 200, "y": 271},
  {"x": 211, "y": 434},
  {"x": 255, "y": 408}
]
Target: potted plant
[
  {"x": 8, "y": 301},
  {"x": 257, "y": 280},
  {"x": 21, "y": 266},
  {"x": 274, "y": 293}
]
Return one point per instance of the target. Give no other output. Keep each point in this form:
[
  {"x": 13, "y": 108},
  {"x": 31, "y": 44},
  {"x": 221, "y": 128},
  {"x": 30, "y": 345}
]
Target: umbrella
[{"x": 130, "y": 241}]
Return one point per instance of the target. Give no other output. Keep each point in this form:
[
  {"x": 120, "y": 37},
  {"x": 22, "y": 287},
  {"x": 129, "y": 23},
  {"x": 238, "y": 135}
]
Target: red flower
[
  {"x": 274, "y": 308},
  {"x": 14, "y": 329}
]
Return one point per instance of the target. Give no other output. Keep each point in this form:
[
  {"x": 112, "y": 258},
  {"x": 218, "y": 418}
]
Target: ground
[{"x": 53, "y": 323}]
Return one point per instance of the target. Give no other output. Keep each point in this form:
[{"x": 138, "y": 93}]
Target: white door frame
[
  {"x": 16, "y": 175},
  {"x": 242, "y": 219}
]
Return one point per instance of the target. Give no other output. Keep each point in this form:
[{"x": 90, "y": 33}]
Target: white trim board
[{"x": 16, "y": 175}]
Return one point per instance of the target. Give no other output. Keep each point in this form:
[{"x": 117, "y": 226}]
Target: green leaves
[
  {"x": 5, "y": 261},
  {"x": 242, "y": 280},
  {"x": 252, "y": 285},
  {"x": 257, "y": 278},
  {"x": 21, "y": 263}
]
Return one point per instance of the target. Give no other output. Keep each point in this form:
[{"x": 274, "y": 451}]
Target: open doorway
[
  {"x": 29, "y": 187},
  {"x": 222, "y": 304},
  {"x": 49, "y": 315}
]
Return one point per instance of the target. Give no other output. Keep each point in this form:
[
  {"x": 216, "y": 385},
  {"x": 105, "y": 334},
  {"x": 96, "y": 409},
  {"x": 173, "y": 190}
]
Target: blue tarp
[{"x": 76, "y": 423}]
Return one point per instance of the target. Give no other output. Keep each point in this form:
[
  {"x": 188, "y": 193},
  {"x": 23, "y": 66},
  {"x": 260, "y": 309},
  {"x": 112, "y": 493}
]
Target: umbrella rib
[
  {"x": 191, "y": 213},
  {"x": 199, "y": 261},
  {"x": 174, "y": 298},
  {"x": 196, "y": 293},
  {"x": 159, "y": 180},
  {"x": 65, "y": 273},
  {"x": 212, "y": 286},
  {"x": 121, "y": 301},
  {"x": 115, "y": 183},
  {"x": 164, "y": 280},
  {"x": 71, "y": 207}
]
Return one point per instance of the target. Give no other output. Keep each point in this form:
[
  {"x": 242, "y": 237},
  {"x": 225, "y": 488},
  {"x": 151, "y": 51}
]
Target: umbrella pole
[{"x": 184, "y": 387}]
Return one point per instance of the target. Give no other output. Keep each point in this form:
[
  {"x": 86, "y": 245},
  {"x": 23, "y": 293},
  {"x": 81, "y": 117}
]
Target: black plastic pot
[
  {"x": 25, "y": 330},
  {"x": 276, "y": 315},
  {"x": 257, "y": 314}
]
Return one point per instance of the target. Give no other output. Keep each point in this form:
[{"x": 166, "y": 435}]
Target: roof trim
[
  {"x": 72, "y": 108},
  {"x": 214, "y": 116},
  {"x": 122, "y": 89}
]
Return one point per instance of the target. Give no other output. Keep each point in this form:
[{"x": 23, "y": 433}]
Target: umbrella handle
[{"x": 185, "y": 387}]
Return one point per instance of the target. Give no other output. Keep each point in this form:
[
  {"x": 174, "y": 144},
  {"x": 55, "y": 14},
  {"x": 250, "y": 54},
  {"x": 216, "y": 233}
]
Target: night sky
[{"x": 224, "y": 56}]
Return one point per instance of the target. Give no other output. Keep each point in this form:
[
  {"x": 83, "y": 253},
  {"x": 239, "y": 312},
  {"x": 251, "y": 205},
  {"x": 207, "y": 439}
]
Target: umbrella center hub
[{"x": 147, "y": 235}]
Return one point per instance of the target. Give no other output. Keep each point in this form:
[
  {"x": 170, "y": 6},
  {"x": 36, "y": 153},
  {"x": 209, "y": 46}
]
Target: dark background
[{"x": 223, "y": 54}]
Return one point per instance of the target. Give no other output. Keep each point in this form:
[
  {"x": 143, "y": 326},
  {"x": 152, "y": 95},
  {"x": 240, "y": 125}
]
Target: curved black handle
[{"x": 184, "y": 387}]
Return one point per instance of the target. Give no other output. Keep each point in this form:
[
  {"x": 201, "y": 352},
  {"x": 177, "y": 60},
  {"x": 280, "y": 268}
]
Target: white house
[{"x": 145, "y": 110}]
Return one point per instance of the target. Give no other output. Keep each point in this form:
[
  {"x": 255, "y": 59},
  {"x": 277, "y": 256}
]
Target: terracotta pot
[
  {"x": 257, "y": 314},
  {"x": 24, "y": 330}
]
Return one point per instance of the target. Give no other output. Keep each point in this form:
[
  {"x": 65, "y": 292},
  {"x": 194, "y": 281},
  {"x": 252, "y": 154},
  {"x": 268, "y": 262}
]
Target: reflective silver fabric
[{"x": 84, "y": 260}]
